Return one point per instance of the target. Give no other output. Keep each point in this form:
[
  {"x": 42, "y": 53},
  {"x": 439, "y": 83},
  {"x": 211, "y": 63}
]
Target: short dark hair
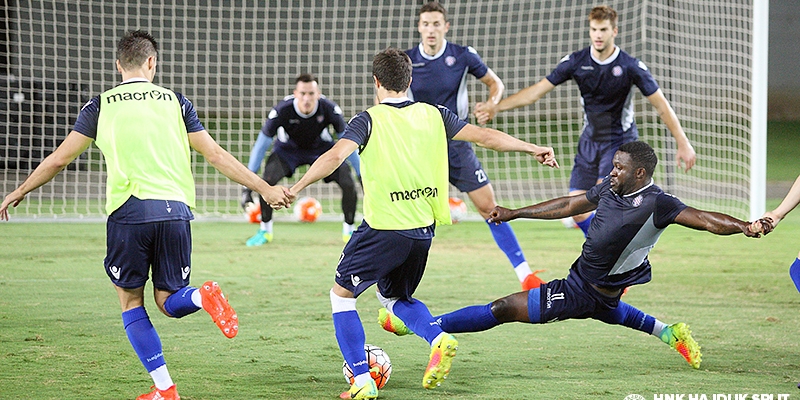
[
  {"x": 392, "y": 68},
  {"x": 433, "y": 6},
  {"x": 305, "y": 77},
  {"x": 134, "y": 48},
  {"x": 642, "y": 156},
  {"x": 602, "y": 13}
]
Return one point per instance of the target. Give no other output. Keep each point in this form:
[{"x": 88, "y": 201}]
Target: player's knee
[{"x": 507, "y": 310}]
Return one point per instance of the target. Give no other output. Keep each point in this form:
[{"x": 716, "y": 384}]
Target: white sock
[
  {"x": 523, "y": 270},
  {"x": 266, "y": 226},
  {"x": 161, "y": 378},
  {"x": 658, "y": 327},
  {"x": 438, "y": 337},
  {"x": 362, "y": 379},
  {"x": 197, "y": 299}
]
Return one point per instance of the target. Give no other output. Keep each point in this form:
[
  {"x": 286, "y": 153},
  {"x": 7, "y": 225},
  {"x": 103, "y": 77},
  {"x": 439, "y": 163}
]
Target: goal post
[{"x": 237, "y": 59}]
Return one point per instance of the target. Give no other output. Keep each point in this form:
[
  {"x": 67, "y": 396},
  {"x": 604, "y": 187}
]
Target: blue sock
[
  {"x": 794, "y": 272},
  {"x": 628, "y": 315},
  {"x": 180, "y": 304},
  {"x": 584, "y": 225},
  {"x": 143, "y": 338},
  {"x": 507, "y": 241},
  {"x": 351, "y": 338},
  {"x": 418, "y": 318},
  {"x": 468, "y": 319}
]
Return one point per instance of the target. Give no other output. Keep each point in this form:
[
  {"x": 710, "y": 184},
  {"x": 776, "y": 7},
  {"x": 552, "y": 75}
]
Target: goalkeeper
[
  {"x": 605, "y": 75},
  {"x": 300, "y": 123}
]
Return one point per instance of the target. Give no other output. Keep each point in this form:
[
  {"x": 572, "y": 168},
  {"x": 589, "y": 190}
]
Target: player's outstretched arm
[
  {"x": 714, "y": 222},
  {"x": 226, "y": 163},
  {"x": 686, "y": 152},
  {"x": 68, "y": 150},
  {"x": 325, "y": 164},
  {"x": 499, "y": 141},
  {"x": 557, "y": 208},
  {"x": 788, "y": 204},
  {"x": 485, "y": 112}
]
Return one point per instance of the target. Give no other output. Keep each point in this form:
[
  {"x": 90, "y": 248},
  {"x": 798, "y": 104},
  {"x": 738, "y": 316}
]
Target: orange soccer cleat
[
  {"x": 532, "y": 281},
  {"x": 169, "y": 394},
  {"x": 215, "y": 303}
]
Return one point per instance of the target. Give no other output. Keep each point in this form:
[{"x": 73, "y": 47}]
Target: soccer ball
[
  {"x": 253, "y": 212},
  {"x": 307, "y": 209},
  {"x": 458, "y": 209},
  {"x": 380, "y": 367}
]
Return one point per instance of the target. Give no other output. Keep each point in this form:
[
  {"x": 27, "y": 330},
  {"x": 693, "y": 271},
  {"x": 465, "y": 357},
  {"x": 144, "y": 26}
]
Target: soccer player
[
  {"x": 440, "y": 72},
  {"x": 300, "y": 123},
  {"x": 605, "y": 75},
  {"x": 775, "y": 216},
  {"x": 632, "y": 212},
  {"x": 403, "y": 149},
  {"x": 145, "y": 132}
]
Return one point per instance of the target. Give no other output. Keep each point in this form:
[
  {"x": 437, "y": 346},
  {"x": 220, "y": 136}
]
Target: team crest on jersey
[
  {"x": 617, "y": 71},
  {"x": 637, "y": 201},
  {"x": 320, "y": 118},
  {"x": 449, "y": 60}
]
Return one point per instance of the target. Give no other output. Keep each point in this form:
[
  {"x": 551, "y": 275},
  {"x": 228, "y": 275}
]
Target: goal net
[{"x": 236, "y": 59}]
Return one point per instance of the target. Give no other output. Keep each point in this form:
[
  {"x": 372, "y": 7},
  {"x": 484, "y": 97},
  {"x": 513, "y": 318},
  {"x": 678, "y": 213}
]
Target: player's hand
[
  {"x": 501, "y": 214},
  {"x": 545, "y": 156},
  {"x": 763, "y": 225},
  {"x": 276, "y": 197},
  {"x": 485, "y": 112},
  {"x": 687, "y": 155},
  {"x": 13, "y": 199}
]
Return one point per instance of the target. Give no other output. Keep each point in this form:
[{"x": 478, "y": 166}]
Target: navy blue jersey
[
  {"x": 623, "y": 231},
  {"x": 86, "y": 123},
  {"x": 606, "y": 91},
  {"x": 442, "y": 79},
  {"x": 296, "y": 131}
]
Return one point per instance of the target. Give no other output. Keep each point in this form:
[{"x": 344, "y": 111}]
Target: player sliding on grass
[
  {"x": 632, "y": 212},
  {"x": 145, "y": 132},
  {"x": 403, "y": 148}
]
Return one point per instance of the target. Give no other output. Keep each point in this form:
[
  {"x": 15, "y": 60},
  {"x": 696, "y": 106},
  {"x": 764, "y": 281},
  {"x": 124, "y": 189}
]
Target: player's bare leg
[{"x": 484, "y": 201}]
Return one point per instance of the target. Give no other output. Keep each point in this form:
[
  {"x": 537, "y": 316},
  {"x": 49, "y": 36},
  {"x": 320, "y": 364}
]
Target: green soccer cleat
[
  {"x": 442, "y": 354},
  {"x": 261, "y": 238},
  {"x": 679, "y": 337},
  {"x": 368, "y": 391},
  {"x": 390, "y": 323}
]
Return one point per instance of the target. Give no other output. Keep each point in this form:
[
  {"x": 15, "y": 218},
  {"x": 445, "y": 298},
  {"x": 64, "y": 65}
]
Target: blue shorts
[
  {"x": 131, "y": 250},
  {"x": 297, "y": 157},
  {"x": 466, "y": 172},
  {"x": 394, "y": 261},
  {"x": 570, "y": 298},
  {"x": 593, "y": 161}
]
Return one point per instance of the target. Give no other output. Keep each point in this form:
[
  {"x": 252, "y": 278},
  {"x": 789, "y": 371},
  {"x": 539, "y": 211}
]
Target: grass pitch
[{"x": 61, "y": 335}]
